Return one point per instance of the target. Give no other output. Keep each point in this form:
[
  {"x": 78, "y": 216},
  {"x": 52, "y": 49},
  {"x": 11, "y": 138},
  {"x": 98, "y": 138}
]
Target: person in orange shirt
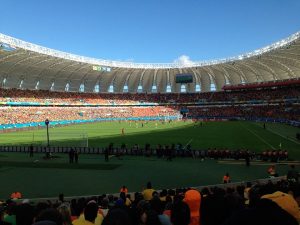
[
  {"x": 16, "y": 195},
  {"x": 226, "y": 178},
  {"x": 124, "y": 189}
]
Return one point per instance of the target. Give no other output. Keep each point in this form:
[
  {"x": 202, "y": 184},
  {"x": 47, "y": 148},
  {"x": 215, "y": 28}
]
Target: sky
[{"x": 151, "y": 31}]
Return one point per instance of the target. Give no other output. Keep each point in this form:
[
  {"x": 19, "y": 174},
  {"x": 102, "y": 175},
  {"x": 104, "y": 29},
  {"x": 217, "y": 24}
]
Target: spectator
[
  {"x": 286, "y": 202},
  {"x": 293, "y": 175},
  {"x": 124, "y": 189},
  {"x": 156, "y": 205},
  {"x": 117, "y": 217},
  {"x": 90, "y": 215},
  {"x": 24, "y": 214},
  {"x": 272, "y": 171},
  {"x": 50, "y": 214},
  {"x": 180, "y": 213},
  {"x": 226, "y": 178},
  {"x": 266, "y": 212},
  {"x": 2, "y": 222},
  {"x": 147, "y": 193},
  {"x": 193, "y": 199},
  {"x": 65, "y": 211}
]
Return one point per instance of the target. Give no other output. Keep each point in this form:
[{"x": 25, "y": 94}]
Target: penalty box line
[
  {"x": 274, "y": 132},
  {"x": 259, "y": 137}
]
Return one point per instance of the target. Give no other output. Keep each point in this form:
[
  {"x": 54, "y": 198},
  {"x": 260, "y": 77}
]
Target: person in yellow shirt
[
  {"x": 90, "y": 215},
  {"x": 147, "y": 193}
]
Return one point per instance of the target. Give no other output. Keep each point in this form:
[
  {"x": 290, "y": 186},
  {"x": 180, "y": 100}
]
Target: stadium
[{"x": 83, "y": 127}]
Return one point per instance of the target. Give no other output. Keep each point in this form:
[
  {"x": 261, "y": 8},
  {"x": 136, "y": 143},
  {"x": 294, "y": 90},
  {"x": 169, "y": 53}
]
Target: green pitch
[
  {"x": 232, "y": 135},
  {"x": 36, "y": 177}
]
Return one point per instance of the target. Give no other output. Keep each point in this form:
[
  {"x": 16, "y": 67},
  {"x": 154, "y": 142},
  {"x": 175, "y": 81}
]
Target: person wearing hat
[
  {"x": 193, "y": 199},
  {"x": 286, "y": 202}
]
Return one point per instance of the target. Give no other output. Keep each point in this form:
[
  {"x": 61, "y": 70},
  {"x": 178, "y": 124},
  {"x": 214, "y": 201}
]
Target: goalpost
[{"x": 72, "y": 138}]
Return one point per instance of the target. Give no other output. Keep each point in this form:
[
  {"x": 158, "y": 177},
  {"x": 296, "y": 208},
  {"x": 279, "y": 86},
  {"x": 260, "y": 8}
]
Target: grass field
[
  {"x": 36, "y": 177},
  {"x": 233, "y": 135}
]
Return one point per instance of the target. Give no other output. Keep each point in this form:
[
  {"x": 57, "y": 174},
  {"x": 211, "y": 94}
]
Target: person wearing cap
[
  {"x": 286, "y": 202},
  {"x": 193, "y": 199}
]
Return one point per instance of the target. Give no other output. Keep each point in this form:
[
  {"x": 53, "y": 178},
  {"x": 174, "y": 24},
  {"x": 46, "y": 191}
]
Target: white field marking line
[
  {"x": 263, "y": 140},
  {"x": 274, "y": 132},
  {"x": 259, "y": 164}
]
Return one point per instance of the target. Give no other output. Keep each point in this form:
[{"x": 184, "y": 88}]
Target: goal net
[{"x": 62, "y": 138}]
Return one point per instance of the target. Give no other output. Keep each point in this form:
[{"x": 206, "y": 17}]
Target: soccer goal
[{"x": 62, "y": 138}]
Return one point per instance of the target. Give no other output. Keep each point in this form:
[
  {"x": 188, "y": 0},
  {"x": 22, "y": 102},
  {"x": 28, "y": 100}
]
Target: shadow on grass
[{"x": 53, "y": 165}]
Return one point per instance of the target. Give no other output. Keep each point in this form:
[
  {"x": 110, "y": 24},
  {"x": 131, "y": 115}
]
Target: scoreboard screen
[
  {"x": 102, "y": 68},
  {"x": 184, "y": 78}
]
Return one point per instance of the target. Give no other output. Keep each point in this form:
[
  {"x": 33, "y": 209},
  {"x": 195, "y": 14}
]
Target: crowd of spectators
[
  {"x": 16, "y": 115},
  {"x": 269, "y": 204},
  {"x": 73, "y": 98},
  {"x": 226, "y": 104},
  {"x": 290, "y": 112}
]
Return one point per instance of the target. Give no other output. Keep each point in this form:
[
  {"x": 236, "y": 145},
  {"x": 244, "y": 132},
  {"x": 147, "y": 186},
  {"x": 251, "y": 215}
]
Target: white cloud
[{"x": 183, "y": 60}]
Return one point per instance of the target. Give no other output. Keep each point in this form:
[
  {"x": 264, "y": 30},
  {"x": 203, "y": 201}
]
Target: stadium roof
[{"x": 29, "y": 66}]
